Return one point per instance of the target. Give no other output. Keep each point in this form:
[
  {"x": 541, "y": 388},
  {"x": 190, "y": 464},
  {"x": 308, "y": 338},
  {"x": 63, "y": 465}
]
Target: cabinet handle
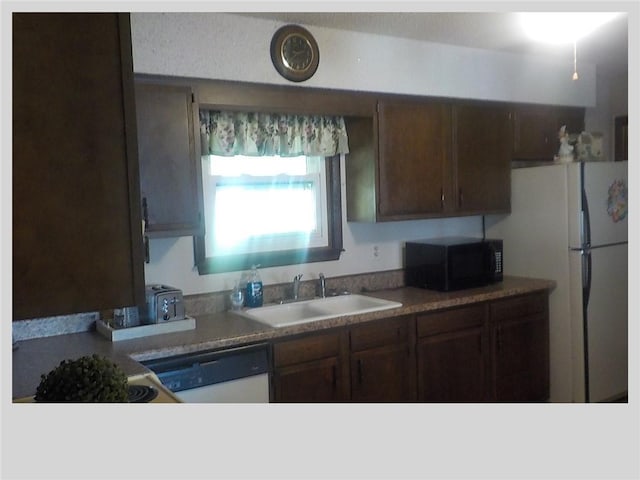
[
  {"x": 334, "y": 380},
  {"x": 146, "y": 250},
  {"x": 442, "y": 198},
  {"x": 360, "y": 372},
  {"x": 460, "y": 197},
  {"x": 145, "y": 211}
]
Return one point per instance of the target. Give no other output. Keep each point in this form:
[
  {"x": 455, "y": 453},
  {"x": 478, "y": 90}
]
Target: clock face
[{"x": 296, "y": 52}]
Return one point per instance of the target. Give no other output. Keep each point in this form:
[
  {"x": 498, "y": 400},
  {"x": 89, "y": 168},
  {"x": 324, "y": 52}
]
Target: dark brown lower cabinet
[
  {"x": 311, "y": 369},
  {"x": 315, "y": 381},
  {"x": 452, "y": 355},
  {"x": 495, "y": 351},
  {"x": 382, "y": 361},
  {"x": 521, "y": 348}
]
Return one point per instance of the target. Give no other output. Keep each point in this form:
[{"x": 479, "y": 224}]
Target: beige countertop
[{"x": 35, "y": 357}]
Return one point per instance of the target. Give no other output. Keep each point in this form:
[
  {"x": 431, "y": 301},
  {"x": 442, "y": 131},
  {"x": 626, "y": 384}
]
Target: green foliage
[{"x": 86, "y": 379}]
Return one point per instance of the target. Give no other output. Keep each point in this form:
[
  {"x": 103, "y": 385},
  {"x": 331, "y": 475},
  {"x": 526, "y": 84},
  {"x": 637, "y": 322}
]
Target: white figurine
[{"x": 565, "y": 153}]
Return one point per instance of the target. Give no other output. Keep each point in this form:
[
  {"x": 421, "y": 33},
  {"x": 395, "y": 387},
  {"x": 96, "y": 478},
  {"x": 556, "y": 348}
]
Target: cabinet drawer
[
  {"x": 384, "y": 332},
  {"x": 306, "y": 349},
  {"x": 519, "y": 307},
  {"x": 450, "y": 320}
]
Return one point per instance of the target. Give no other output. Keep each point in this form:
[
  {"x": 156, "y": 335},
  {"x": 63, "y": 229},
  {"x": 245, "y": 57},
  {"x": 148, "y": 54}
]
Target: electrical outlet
[{"x": 376, "y": 252}]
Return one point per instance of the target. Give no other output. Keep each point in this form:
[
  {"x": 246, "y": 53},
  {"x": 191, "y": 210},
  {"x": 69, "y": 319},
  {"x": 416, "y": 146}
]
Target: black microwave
[{"x": 453, "y": 263}]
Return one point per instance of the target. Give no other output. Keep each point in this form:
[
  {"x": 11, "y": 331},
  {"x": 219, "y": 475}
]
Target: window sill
[{"x": 236, "y": 263}]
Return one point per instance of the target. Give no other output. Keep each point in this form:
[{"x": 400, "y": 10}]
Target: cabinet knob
[
  {"x": 145, "y": 211},
  {"x": 146, "y": 250}
]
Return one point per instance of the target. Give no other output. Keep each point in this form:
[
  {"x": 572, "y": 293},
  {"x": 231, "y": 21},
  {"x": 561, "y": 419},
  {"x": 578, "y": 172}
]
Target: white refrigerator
[{"x": 569, "y": 223}]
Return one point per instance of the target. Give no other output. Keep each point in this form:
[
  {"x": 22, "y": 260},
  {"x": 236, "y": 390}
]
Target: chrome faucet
[
  {"x": 296, "y": 285},
  {"x": 323, "y": 287}
]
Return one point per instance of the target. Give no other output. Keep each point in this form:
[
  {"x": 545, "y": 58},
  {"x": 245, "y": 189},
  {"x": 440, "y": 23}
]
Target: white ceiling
[{"x": 607, "y": 47}]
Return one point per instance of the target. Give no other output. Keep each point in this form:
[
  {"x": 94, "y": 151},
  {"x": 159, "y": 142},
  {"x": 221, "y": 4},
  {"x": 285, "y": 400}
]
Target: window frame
[{"x": 240, "y": 262}]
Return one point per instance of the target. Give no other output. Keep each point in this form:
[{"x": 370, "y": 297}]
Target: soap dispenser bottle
[{"x": 253, "y": 298}]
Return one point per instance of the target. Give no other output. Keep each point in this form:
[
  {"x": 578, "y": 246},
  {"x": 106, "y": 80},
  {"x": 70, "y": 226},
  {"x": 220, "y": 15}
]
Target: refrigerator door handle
[
  {"x": 586, "y": 278},
  {"x": 586, "y": 292},
  {"x": 586, "y": 220}
]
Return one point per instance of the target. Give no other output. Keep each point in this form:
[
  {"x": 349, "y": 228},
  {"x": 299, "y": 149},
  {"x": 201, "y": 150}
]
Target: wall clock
[{"x": 294, "y": 53}]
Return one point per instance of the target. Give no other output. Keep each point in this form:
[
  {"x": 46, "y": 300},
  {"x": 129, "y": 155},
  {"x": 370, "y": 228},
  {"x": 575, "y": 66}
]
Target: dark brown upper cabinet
[
  {"x": 536, "y": 127},
  {"x": 398, "y": 162},
  {"x": 169, "y": 159},
  {"x": 621, "y": 138},
  {"x": 77, "y": 241},
  {"x": 424, "y": 159},
  {"x": 481, "y": 159},
  {"x": 413, "y": 159}
]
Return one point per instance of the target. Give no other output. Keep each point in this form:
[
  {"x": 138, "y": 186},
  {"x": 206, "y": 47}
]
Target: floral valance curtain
[{"x": 261, "y": 134}]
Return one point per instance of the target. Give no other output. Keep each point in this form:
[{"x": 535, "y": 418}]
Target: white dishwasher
[{"x": 236, "y": 375}]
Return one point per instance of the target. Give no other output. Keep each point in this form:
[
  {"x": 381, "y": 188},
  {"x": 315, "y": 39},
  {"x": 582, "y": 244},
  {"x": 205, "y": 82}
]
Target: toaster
[{"x": 164, "y": 304}]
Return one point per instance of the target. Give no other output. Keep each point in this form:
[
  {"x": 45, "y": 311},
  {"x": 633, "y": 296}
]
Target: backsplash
[
  {"x": 201, "y": 304},
  {"x": 214, "y": 302},
  {"x": 50, "y": 326}
]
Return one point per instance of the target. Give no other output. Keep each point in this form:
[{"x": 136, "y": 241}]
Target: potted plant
[{"x": 86, "y": 379}]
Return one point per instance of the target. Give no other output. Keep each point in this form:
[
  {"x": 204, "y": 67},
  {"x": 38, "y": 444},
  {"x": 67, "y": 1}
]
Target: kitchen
[{"x": 368, "y": 247}]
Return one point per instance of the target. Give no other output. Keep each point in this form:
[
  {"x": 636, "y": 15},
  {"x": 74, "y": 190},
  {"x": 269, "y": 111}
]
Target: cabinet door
[
  {"x": 77, "y": 239},
  {"x": 311, "y": 369},
  {"x": 536, "y": 127},
  {"x": 571, "y": 117},
  {"x": 451, "y": 367},
  {"x": 535, "y": 133},
  {"x": 382, "y": 375},
  {"x": 521, "y": 349},
  {"x": 169, "y": 160},
  {"x": 482, "y": 155},
  {"x": 414, "y": 145},
  {"x": 383, "y": 361},
  {"x": 316, "y": 381},
  {"x": 453, "y": 355}
]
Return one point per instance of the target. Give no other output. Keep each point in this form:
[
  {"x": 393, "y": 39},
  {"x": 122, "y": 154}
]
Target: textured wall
[{"x": 233, "y": 47}]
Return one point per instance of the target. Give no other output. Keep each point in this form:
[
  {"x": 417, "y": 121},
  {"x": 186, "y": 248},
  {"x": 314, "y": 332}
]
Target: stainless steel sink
[{"x": 316, "y": 309}]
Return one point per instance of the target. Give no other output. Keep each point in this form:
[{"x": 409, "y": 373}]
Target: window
[
  {"x": 271, "y": 189},
  {"x": 264, "y": 203},
  {"x": 269, "y": 210}
]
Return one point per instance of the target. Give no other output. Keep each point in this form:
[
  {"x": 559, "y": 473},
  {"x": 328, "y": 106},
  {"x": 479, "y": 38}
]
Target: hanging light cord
[{"x": 575, "y": 62}]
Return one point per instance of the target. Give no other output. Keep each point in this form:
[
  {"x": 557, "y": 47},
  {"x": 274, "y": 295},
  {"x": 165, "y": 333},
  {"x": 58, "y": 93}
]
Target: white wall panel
[{"x": 232, "y": 47}]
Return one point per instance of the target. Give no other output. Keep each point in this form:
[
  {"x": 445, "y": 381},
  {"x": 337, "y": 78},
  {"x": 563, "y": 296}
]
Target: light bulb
[{"x": 562, "y": 27}]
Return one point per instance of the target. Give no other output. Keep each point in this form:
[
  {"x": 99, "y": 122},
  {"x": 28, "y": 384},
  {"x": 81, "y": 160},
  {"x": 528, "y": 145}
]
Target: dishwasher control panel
[{"x": 200, "y": 369}]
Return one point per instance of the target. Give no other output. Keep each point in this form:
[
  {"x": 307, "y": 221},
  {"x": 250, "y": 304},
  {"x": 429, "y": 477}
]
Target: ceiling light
[{"x": 562, "y": 27}]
